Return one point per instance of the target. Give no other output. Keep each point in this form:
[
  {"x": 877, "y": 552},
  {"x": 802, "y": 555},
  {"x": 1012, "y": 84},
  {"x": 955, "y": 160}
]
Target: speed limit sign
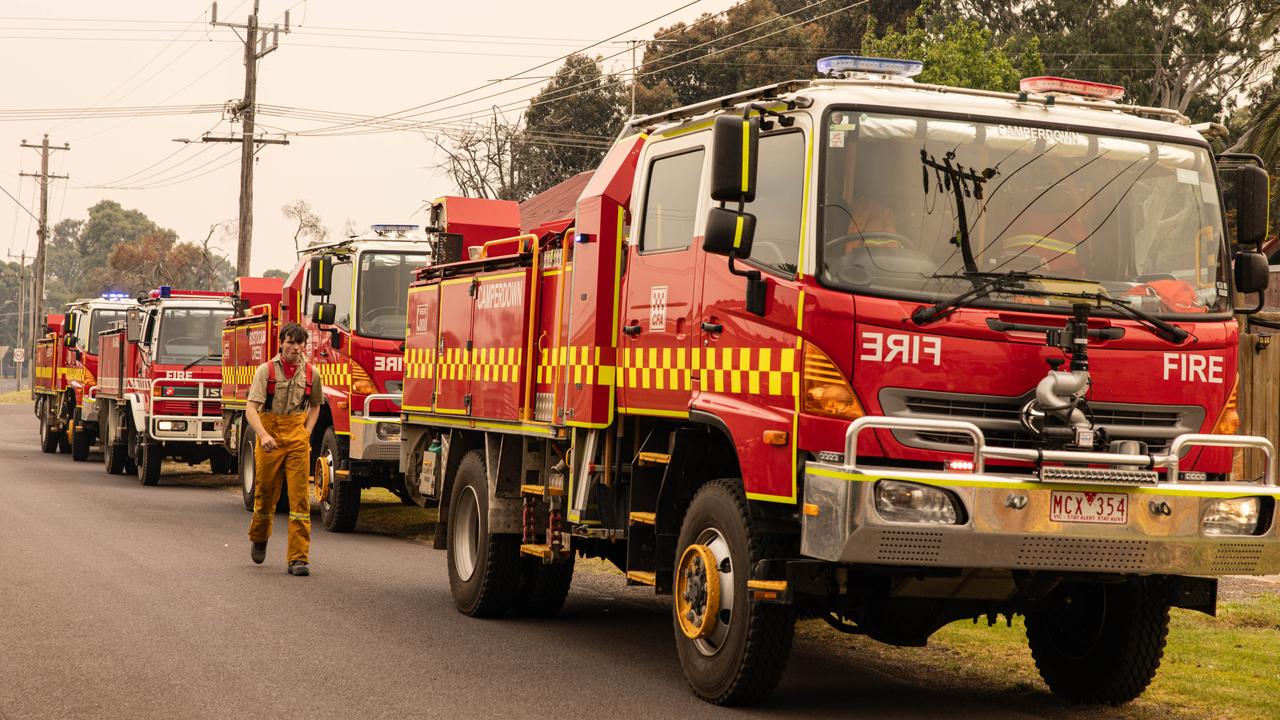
[{"x": 19, "y": 355}]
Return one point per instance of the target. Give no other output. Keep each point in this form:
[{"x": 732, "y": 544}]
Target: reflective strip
[
  {"x": 299, "y": 516},
  {"x": 1048, "y": 243},
  {"x": 746, "y": 157},
  {"x": 737, "y": 233},
  {"x": 769, "y": 371}
]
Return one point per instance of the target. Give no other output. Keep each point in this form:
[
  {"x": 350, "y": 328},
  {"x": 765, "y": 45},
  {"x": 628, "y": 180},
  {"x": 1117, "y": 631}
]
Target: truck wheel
[
  {"x": 1099, "y": 643},
  {"x": 80, "y": 439},
  {"x": 248, "y": 439},
  {"x": 112, "y": 453},
  {"x": 149, "y": 457},
  {"x": 484, "y": 567},
  {"x": 733, "y": 651},
  {"x": 542, "y": 588},
  {"x": 338, "y": 497},
  {"x": 48, "y": 438}
]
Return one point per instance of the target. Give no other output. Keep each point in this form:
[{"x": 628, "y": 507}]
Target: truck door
[
  {"x": 655, "y": 349},
  {"x": 750, "y": 364}
]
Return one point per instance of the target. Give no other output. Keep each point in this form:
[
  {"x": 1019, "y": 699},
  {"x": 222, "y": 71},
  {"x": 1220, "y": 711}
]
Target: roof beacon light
[
  {"x": 839, "y": 66},
  {"x": 165, "y": 291},
  {"x": 1049, "y": 85},
  {"x": 115, "y": 295},
  {"x": 394, "y": 229}
]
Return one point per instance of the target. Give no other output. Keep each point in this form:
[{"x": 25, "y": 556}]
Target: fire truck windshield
[
  {"x": 383, "y": 293},
  {"x": 1137, "y": 219},
  {"x": 188, "y": 334},
  {"x": 99, "y": 319}
]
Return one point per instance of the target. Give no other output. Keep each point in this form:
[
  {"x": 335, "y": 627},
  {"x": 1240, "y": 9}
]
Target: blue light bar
[
  {"x": 837, "y": 65},
  {"x": 115, "y": 295},
  {"x": 165, "y": 291}
]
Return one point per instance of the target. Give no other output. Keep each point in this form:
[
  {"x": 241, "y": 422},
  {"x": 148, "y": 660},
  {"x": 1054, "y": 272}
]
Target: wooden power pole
[
  {"x": 255, "y": 48},
  {"x": 42, "y": 233}
]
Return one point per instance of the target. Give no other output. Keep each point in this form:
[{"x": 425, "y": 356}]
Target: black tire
[
  {"x": 339, "y": 511},
  {"x": 113, "y": 454},
  {"x": 48, "y": 438},
  {"x": 149, "y": 457},
  {"x": 81, "y": 440},
  {"x": 484, "y": 568},
  {"x": 221, "y": 462},
  {"x": 1099, "y": 643},
  {"x": 542, "y": 588},
  {"x": 741, "y": 663},
  {"x": 248, "y": 439}
]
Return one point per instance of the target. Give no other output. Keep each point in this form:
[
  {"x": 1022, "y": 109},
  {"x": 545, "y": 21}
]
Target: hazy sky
[{"x": 369, "y": 58}]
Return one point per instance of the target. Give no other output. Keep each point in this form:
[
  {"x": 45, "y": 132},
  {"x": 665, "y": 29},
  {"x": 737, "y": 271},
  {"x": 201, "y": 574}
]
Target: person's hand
[{"x": 269, "y": 443}]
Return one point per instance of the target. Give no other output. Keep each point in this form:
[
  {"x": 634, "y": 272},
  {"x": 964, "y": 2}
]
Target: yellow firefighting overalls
[{"x": 289, "y": 462}]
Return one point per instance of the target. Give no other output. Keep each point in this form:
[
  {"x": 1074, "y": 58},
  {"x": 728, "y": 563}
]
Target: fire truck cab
[
  {"x": 886, "y": 353},
  {"x": 159, "y": 384},
  {"x": 49, "y": 388},
  {"x": 84, "y": 320}
]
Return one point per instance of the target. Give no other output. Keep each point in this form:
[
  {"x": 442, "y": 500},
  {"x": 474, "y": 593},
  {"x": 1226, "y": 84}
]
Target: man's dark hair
[{"x": 293, "y": 331}]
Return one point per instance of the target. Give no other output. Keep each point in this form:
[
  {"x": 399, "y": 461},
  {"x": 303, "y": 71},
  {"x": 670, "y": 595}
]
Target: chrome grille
[{"x": 998, "y": 416}]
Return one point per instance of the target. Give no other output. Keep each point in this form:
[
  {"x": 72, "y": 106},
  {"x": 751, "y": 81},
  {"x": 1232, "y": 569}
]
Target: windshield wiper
[
  {"x": 1004, "y": 281},
  {"x": 202, "y": 358}
]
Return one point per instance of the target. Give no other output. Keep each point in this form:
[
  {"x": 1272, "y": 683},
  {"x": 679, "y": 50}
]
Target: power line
[{"x": 19, "y": 203}]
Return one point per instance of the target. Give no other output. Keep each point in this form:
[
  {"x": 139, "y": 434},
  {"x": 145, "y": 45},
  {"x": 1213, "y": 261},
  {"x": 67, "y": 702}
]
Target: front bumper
[
  {"x": 194, "y": 429},
  {"x": 376, "y": 437},
  {"x": 1006, "y": 520}
]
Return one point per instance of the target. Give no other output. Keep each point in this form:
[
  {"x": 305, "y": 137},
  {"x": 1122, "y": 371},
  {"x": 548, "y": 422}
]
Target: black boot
[
  {"x": 258, "y": 552},
  {"x": 299, "y": 567}
]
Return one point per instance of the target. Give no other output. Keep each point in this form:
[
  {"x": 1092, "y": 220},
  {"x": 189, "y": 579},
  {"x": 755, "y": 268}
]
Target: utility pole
[
  {"x": 37, "y": 286},
  {"x": 255, "y": 48}
]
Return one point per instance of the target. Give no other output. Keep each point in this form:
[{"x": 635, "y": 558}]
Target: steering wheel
[
  {"x": 872, "y": 238},
  {"x": 183, "y": 340},
  {"x": 374, "y": 312}
]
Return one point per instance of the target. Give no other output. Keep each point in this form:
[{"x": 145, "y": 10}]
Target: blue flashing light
[
  {"x": 384, "y": 229},
  {"x": 115, "y": 295},
  {"x": 165, "y": 291},
  {"x": 839, "y": 65}
]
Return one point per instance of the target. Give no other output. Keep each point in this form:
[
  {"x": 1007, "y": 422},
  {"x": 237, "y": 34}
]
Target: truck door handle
[
  {"x": 632, "y": 329},
  {"x": 713, "y": 327}
]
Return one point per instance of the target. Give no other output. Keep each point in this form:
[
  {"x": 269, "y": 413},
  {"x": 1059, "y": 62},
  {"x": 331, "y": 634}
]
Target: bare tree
[
  {"x": 350, "y": 228},
  {"x": 482, "y": 159},
  {"x": 309, "y": 224}
]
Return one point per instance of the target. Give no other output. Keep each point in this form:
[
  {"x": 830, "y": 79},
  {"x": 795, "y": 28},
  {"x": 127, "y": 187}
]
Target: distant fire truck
[
  {"x": 49, "y": 390},
  {"x": 84, "y": 320},
  {"x": 159, "y": 389},
  {"x": 885, "y": 353},
  {"x": 350, "y": 296}
]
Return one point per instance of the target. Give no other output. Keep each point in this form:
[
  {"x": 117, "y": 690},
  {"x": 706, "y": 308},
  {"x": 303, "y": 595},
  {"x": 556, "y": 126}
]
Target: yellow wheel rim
[
  {"x": 697, "y": 592},
  {"x": 320, "y": 489}
]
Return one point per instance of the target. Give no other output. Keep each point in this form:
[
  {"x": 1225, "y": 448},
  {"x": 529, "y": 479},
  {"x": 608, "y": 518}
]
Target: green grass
[
  {"x": 1223, "y": 667},
  {"x": 15, "y": 396}
]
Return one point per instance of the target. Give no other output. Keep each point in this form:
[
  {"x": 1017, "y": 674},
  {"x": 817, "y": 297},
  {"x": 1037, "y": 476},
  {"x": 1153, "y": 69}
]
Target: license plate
[{"x": 1089, "y": 507}]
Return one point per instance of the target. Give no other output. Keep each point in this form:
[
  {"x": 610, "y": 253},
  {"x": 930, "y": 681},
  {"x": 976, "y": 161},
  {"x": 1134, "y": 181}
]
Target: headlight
[
  {"x": 1237, "y": 516},
  {"x": 388, "y": 431},
  {"x": 899, "y": 501},
  {"x": 171, "y": 425}
]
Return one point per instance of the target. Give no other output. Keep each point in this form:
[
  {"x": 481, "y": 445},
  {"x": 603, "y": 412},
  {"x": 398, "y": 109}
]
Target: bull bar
[
  {"x": 1003, "y": 520},
  {"x": 199, "y": 428},
  {"x": 365, "y": 443}
]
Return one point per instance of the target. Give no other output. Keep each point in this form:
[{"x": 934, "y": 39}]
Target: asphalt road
[{"x": 123, "y": 601}]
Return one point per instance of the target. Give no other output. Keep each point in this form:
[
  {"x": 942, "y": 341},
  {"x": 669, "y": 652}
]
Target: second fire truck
[
  {"x": 159, "y": 384},
  {"x": 884, "y": 353}
]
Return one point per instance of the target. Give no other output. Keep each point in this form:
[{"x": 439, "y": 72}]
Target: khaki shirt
[{"x": 291, "y": 395}]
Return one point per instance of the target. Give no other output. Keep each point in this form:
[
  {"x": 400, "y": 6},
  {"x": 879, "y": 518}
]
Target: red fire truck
[
  {"x": 350, "y": 297},
  {"x": 84, "y": 320},
  {"x": 49, "y": 390},
  {"x": 885, "y": 353},
  {"x": 159, "y": 385}
]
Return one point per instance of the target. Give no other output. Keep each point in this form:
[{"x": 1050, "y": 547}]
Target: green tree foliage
[
  {"x": 1189, "y": 55},
  {"x": 10, "y": 289},
  {"x": 570, "y": 124},
  {"x": 274, "y": 273},
  {"x": 959, "y": 52},
  {"x": 157, "y": 258}
]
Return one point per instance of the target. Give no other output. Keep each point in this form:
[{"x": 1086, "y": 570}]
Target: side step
[
  {"x": 541, "y": 490},
  {"x": 641, "y": 577}
]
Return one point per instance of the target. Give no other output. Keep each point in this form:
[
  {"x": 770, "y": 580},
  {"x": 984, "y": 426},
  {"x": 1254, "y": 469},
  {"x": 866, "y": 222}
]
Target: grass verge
[
  {"x": 15, "y": 396},
  {"x": 1223, "y": 667}
]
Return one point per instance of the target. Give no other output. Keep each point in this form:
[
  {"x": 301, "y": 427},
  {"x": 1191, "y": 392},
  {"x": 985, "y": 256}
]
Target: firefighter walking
[{"x": 283, "y": 406}]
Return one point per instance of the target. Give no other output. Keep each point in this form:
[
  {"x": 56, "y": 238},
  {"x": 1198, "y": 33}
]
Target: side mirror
[
  {"x": 1252, "y": 273},
  {"x": 72, "y": 322},
  {"x": 728, "y": 231},
  {"x": 735, "y": 143},
  {"x": 69, "y": 340},
  {"x": 133, "y": 325},
  {"x": 1246, "y": 191},
  {"x": 324, "y": 313},
  {"x": 320, "y": 275}
]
